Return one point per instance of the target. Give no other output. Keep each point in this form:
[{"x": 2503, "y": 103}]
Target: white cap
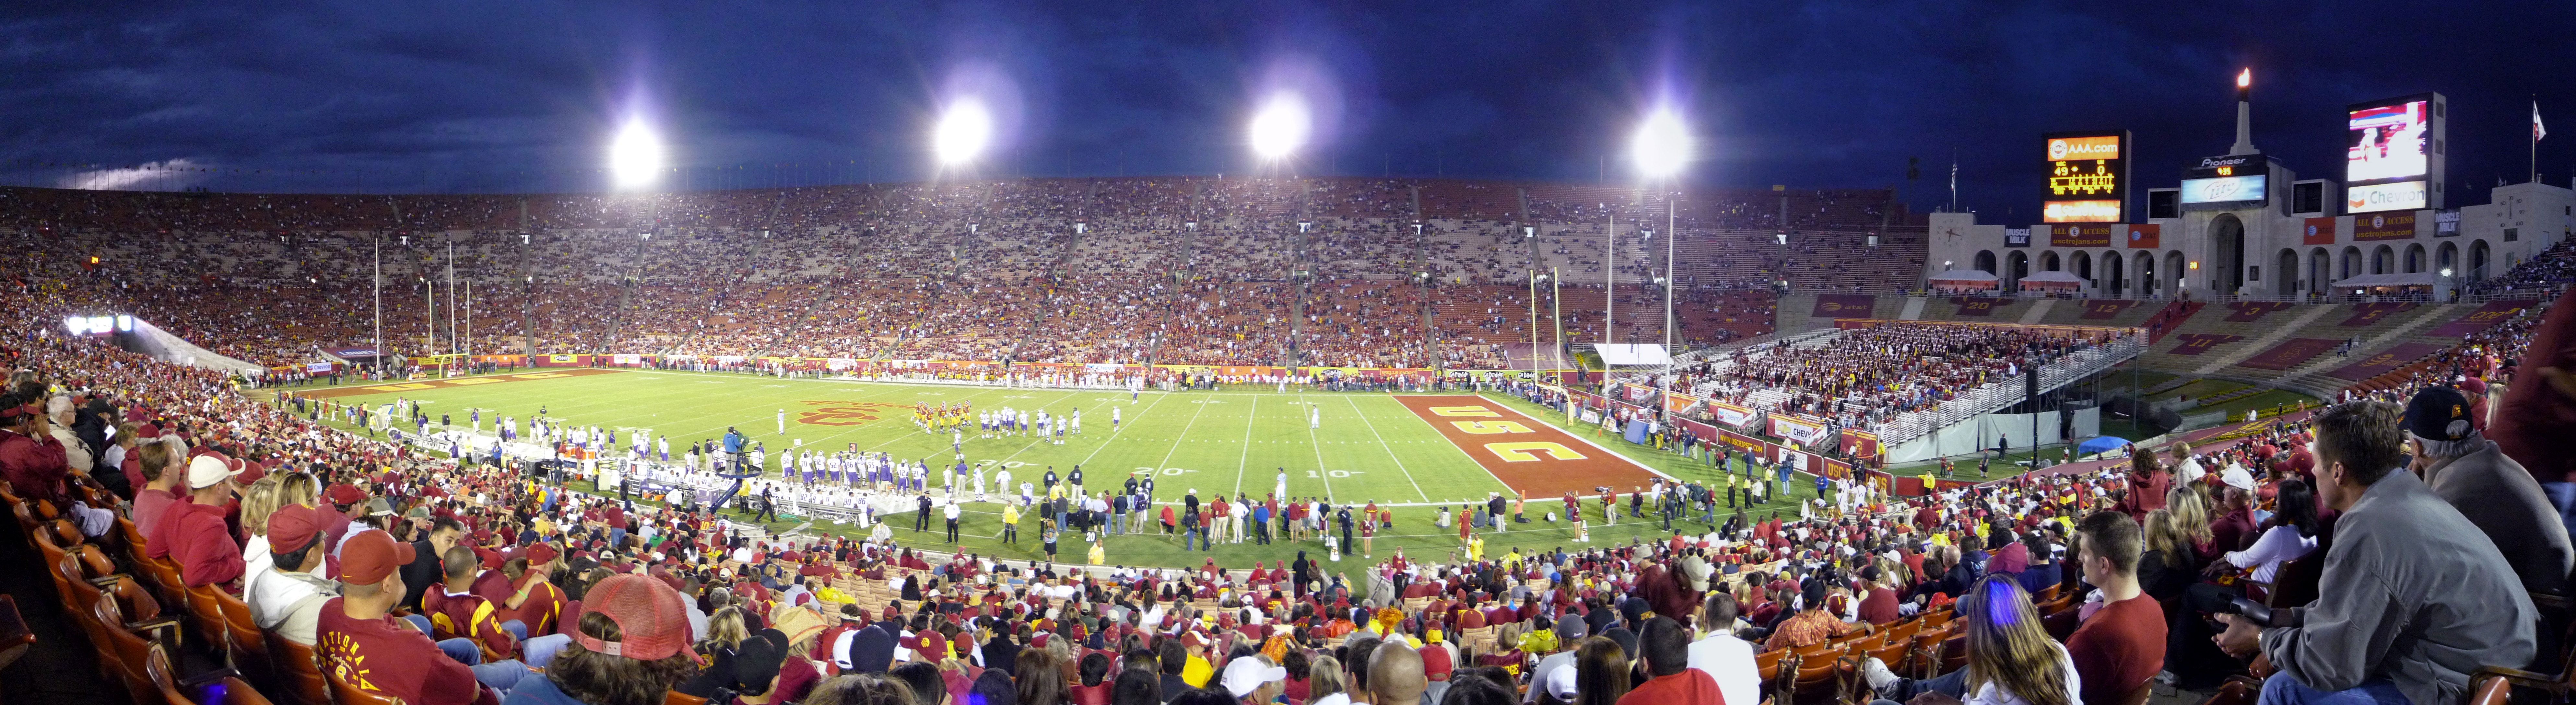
[
  {"x": 1561, "y": 682},
  {"x": 2237, "y": 477},
  {"x": 1246, "y": 674},
  {"x": 206, "y": 470}
]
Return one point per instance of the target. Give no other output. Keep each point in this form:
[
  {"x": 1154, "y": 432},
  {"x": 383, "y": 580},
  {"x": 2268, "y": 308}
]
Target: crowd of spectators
[
  {"x": 1862, "y": 377},
  {"x": 1036, "y": 269},
  {"x": 442, "y": 584}
]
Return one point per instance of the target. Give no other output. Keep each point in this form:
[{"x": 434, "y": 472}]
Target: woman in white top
[{"x": 2292, "y": 534}]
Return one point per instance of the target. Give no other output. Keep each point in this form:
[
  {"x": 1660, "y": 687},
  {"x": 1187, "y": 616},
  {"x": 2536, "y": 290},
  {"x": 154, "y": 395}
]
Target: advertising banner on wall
[
  {"x": 2146, "y": 236},
  {"x": 2319, "y": 231},
  {"x": 1729, "y": 414},
  {"x": 1860, "y": 444},
  {"x": 2080, "y": 235},
  {"x": 1843, "y": 305},
  {"x": 2383, "y": 226},
  {"x": 1804, "y": 431}
]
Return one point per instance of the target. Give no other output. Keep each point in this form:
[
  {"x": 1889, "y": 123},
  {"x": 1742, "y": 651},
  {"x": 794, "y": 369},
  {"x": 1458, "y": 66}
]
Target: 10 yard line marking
[
  {"x": 1390, "y": 449},
  {"x": 1176, "y": 442}
]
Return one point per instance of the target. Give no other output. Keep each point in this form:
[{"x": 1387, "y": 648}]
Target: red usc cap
[
  {"x": 652, "y": 623},
  {"x": 369, "y": 556},
  {"x": 293, "y": 527}
]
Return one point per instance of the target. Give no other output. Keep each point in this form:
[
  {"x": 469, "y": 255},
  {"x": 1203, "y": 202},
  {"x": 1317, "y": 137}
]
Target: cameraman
[{"x": 2413, "y": 598}]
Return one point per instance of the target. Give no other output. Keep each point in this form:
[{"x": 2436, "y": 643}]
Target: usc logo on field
[{"x": 842, "y": 413}]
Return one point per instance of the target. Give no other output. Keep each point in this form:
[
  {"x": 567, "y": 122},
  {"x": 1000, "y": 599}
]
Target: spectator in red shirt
[
  {"x": 2122, "y": 643},
  {"x": 193, "y": 532},
  {"x": 1878, "y": 603},
  {"x": 1666, "y": 648},
  {"x": 31, "y": 459},
  {"x": 454, "y": 609},
  {"x": 159, "y": 466},
  {"x": 366, "y": 645}
]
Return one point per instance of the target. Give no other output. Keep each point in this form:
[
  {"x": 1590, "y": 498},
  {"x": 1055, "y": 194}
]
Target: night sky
[{"x": 491, "y": 96}]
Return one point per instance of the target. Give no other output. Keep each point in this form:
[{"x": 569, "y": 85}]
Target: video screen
[
  {"x": 2386, "y": 142},
  {"x": 2223, "y": 189}
]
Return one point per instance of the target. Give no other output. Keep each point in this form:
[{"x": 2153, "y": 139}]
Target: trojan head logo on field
[{"x": 843, "y": 413}]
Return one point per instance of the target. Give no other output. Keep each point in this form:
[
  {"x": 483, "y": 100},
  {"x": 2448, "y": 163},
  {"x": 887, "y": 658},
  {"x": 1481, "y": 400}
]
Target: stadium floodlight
[
  {"x": 635, "y": 156},
  {"x": 1661, "y": 146},
  {"x": 963, "y": 132},
  {"x": 1281, "y": 126}
]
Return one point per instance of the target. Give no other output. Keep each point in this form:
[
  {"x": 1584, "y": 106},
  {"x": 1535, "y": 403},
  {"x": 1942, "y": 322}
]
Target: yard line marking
[
  {"x": 1127, "y": 424},
  {"x": 1390, "y": 450},
  {"x": 1240, "y": 461},
  {"x": 1321, "y": 472},
  {"x": 1185, "y": 433}
]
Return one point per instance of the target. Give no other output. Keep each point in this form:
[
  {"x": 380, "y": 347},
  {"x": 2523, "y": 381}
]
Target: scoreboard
[{"x": 2088, "y": 177}]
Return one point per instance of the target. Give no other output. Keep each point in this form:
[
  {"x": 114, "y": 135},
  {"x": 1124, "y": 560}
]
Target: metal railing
[{"x": 1996, "y": 395}]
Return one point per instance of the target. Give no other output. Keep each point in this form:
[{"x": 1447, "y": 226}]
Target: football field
[{"x": 1411, "y": 452}]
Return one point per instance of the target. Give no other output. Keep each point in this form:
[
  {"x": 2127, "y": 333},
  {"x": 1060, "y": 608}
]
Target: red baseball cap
[
  {"x": 292, "y": 527},
  {"x": 652, "y": 622},
  {"x": 542, "y": 553},
  {"x": 369, "y": 556},
  {"x": 345, "y": 494}
]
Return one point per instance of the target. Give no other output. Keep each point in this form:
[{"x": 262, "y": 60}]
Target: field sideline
[{"x": 1368, "y": 446}]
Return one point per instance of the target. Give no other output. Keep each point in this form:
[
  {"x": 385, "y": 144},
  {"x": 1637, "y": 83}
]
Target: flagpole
[{"x": 2535, "y": 138}]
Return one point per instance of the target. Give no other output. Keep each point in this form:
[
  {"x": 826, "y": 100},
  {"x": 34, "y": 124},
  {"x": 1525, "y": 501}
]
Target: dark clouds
[{"x": 463, "y": 96}]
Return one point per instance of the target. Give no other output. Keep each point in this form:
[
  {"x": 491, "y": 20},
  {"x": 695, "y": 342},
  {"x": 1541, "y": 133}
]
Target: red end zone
[{"x": 1529, "y": 456}]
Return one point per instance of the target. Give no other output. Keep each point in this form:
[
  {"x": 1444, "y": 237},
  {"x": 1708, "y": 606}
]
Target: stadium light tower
[
  {"x": 963, "y": 132},
  {"x": 1661, "y": 148},
  {"x": 635, "y": 156},
  {"x": 1280, "y": 127}
]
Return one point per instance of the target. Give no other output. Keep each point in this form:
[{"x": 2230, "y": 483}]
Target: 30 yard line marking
[{"x": 1390, "y": 449}]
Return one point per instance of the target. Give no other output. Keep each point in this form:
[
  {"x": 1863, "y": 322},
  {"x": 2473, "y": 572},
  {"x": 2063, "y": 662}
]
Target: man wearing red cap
[
  {"x": 366, "y": 645},
  {"x": 193, "y": 531},
  {"x": 639, "y": 644},
  {"x": 289, "y": 600},
  {"x": 347, "y": 503},
  {"x": 536, "y": 602}
]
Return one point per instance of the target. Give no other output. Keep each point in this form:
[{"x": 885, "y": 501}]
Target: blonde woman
[
  {"x": 1324, "y": 682},
  {"x": 2191, "y": 517},
  {"x": 2163, "y": 568},
  {"x": 257, "y": 502},
  {"x": 2011, "y": 660}
]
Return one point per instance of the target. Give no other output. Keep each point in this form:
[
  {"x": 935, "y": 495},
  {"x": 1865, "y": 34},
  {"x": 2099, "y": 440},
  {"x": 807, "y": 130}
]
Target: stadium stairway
[
  {"x": 2270, "y": 330},
  {"x": 2311, "y": 378}
]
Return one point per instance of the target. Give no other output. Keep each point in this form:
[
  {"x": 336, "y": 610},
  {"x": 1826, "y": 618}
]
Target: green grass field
[{"x": 1369, "y": 448}]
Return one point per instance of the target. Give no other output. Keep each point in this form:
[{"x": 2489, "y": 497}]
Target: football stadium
[{"x": 705, "y": 414}]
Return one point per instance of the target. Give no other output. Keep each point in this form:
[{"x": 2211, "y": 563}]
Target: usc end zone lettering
[{"x": 1525, "y": 453}]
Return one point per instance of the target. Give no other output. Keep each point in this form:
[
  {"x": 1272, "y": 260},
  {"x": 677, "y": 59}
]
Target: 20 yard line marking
[{"x": 1390, "y": 449}]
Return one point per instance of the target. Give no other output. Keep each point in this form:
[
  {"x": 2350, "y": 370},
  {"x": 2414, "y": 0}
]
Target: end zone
[{"x": 1526, "y": 454}]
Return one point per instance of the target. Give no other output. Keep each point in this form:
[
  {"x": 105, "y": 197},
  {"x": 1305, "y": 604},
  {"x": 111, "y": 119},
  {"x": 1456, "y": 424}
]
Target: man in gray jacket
[
  {"x": 2414, "y": 597},
  {"x": 2493, "y": 491}
]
